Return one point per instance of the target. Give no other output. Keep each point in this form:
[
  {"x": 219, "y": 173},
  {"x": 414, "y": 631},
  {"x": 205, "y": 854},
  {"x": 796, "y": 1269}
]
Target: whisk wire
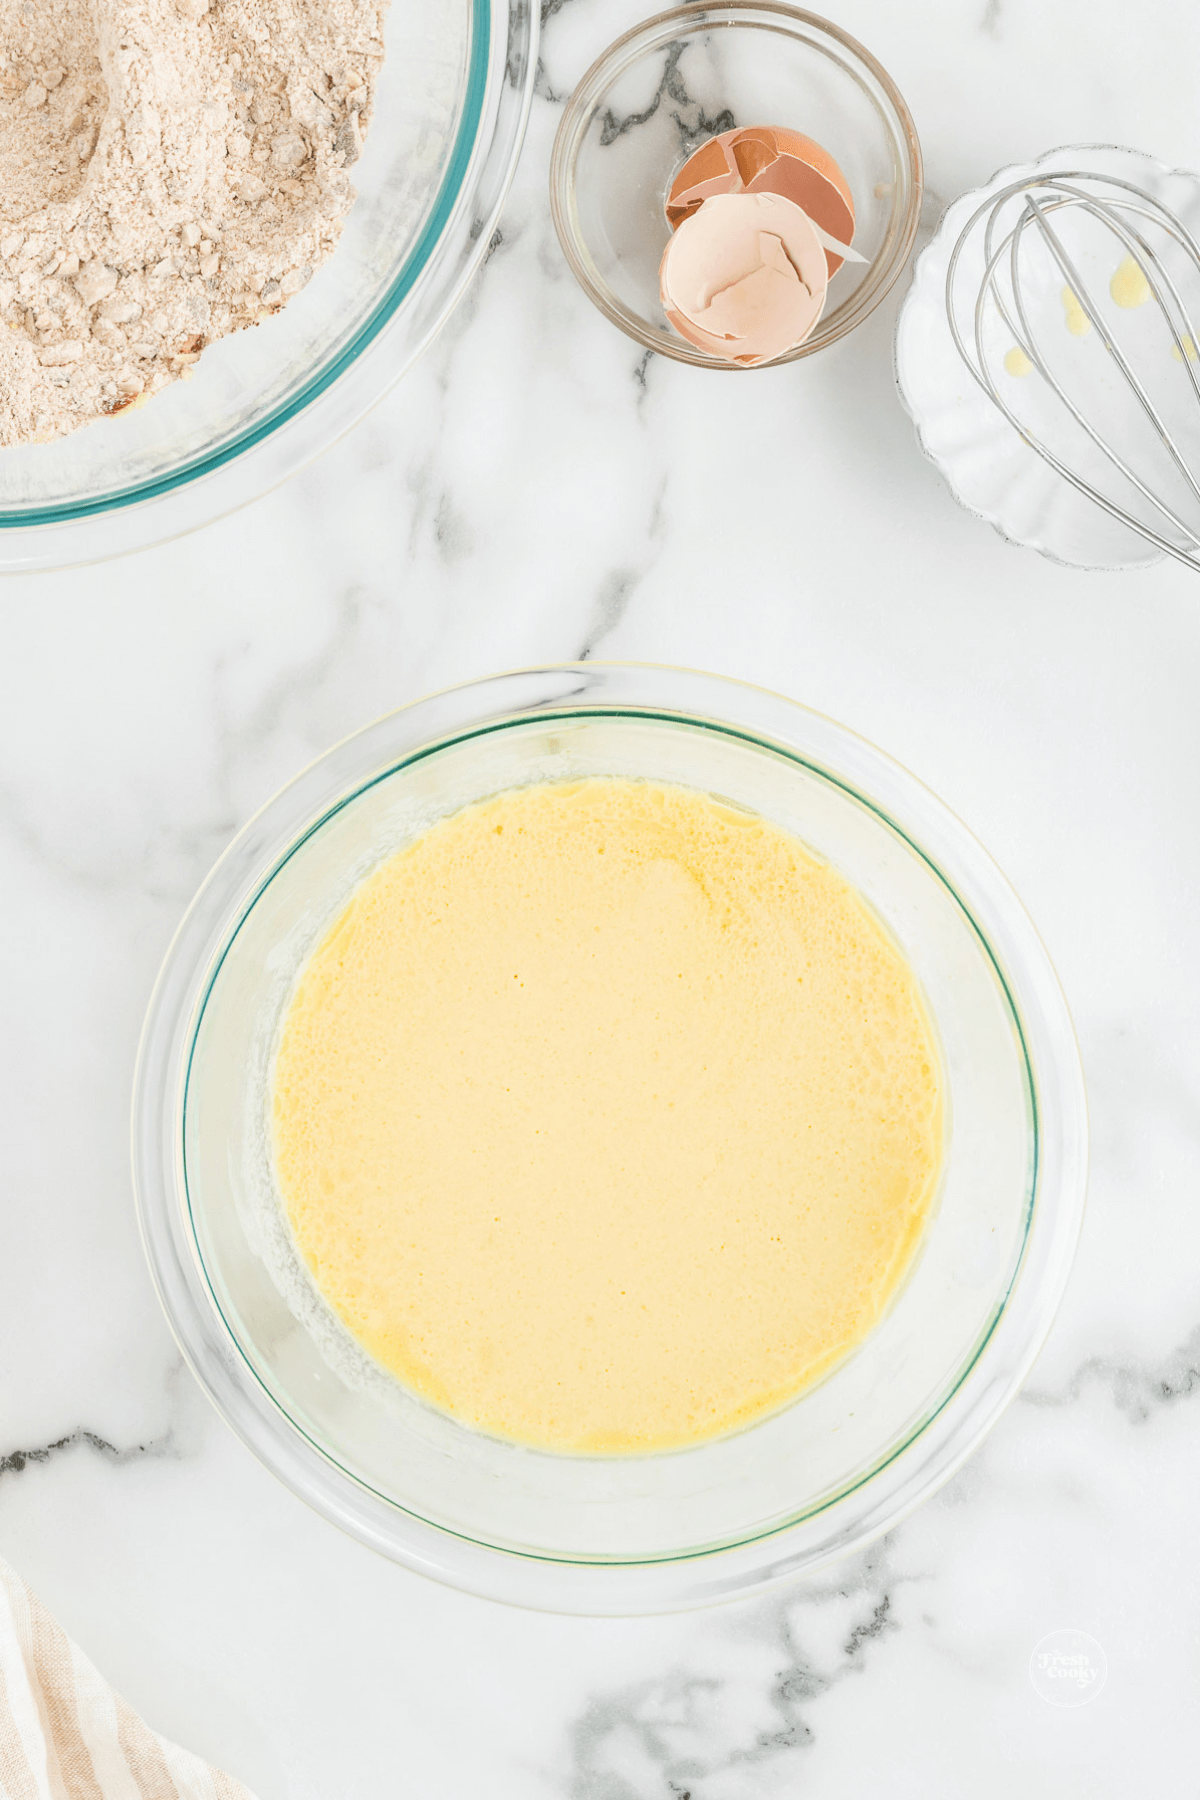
[
  {"x": 1127, "y": 215},
  {"x": 1025, "y": 338},
  {"x": 991, "y": 387},
  {"x": 1083, "y": 296},
  {"x": 1080, "y": 290}
]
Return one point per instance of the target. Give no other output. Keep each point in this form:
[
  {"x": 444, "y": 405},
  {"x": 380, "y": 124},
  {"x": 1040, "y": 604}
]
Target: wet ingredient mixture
[{"x": 606, "y": 1117}]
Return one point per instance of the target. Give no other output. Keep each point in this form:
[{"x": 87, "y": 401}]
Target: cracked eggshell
[
  {"x": 745, "y": 277},
  {"x": 767, "y": 159}
]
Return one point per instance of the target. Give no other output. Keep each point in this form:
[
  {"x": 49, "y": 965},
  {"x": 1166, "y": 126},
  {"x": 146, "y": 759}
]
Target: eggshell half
[
  {"x": 767, "y": 159},
  {"x": 744, "y": 277}
]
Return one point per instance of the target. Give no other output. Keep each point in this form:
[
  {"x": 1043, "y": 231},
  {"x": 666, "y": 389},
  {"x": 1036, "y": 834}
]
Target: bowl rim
[
  {"x": 500, "y": 69},
  {"x": 569, "y": 137},
  {"x": 927, "y": 1458}
]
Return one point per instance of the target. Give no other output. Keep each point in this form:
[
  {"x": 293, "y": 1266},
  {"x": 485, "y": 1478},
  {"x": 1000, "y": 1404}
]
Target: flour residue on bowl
[
  {"x": 606, "y": 1117},
  {"x": 170, "y": 172}
]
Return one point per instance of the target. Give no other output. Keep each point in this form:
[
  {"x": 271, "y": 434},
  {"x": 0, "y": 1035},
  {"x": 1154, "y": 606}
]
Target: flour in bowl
[{"x": 170, "y": 171}]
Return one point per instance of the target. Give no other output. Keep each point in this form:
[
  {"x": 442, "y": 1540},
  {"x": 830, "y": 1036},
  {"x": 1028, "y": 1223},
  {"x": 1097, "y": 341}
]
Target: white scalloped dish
[{"x": 991, "y": 471}]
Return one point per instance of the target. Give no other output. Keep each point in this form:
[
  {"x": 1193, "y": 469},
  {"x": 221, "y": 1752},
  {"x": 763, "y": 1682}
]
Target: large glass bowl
[
  {"x": 449, "y": 117},
  {"x": 840, "y": 1464}
]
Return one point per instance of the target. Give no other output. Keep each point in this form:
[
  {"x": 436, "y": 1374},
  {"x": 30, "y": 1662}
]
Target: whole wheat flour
[{"x": 170, "y": 171}]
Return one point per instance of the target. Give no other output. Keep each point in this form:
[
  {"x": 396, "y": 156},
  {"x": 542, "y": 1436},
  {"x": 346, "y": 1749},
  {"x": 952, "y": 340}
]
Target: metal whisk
[{"x": 1119, "y": 418}]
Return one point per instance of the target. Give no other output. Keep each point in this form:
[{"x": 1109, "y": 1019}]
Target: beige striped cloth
[{"x": 64, "y": 1734}]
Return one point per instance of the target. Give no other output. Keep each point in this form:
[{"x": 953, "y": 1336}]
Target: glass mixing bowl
[
  {"x": 449, "y": 117},
  {"x": 846, "y": 1459},
  {"x": 667, "y": 86}
]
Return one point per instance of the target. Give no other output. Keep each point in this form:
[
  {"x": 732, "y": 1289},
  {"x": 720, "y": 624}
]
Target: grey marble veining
[
  {"x": 14, "y": 1461},
  {"x": 688, "y": 1730}
]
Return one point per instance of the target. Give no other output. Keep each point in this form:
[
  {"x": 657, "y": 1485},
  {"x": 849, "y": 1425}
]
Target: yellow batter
[{"x": 606, "y": 1117}]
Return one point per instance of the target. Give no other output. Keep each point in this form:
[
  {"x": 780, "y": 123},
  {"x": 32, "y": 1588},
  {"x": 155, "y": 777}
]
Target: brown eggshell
[
  {"x": 744, "y": 277},
  {"x": 768, "y": 159}
]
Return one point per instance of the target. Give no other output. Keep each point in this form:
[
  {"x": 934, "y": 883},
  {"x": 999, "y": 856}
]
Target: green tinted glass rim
[
  {"x": 475, "y": 92},
  {"x": 566, "y": 714}
]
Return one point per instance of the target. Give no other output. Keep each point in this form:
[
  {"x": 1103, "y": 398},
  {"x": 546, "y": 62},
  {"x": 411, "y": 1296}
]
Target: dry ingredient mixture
[{"x": 170, "y": 171}]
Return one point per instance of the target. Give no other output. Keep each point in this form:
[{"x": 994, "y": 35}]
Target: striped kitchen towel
[{"x": 64, "y": 1734}]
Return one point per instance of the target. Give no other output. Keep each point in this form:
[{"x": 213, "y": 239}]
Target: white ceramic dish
[
  {"x": 989, "y": 469},
  {"x": 590, "y": 1534}
]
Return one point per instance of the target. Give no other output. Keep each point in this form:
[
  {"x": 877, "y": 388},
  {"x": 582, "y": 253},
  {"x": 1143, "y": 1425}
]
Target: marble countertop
[{"x": 537, "y": 489}]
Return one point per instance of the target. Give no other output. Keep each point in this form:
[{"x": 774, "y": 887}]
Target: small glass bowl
[
  {"x": 593, "y": 1534},
  {"x": 660, "y": 91}
]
